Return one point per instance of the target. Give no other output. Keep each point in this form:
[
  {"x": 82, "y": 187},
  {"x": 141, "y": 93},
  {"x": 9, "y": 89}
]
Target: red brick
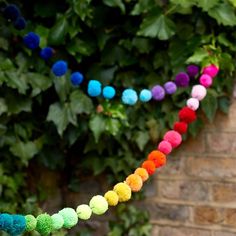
[{"x": 224, "y": 193}]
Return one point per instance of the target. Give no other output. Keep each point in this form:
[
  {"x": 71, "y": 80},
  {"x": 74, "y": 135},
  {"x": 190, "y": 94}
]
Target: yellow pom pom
[
  {"x": 135, "y": 182},
  {"x": 142, "y": 173},
  {"x": 112, "y": 198},
  {"x": 123, "y": 191}
]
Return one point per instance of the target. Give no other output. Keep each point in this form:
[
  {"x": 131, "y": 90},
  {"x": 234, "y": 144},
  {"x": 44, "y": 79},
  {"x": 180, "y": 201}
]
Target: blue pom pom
[
  {"x": 108, "y": 92},
  {"x": 6, "y": 222},
  {"x": 145, "y": 95},
  {"x": 31, "y": 40},
  {"x": 19, "y": 224},
  {"x": 20, "y": 23},
  {"x": 76, "y": 78},
  {"x": 11, "y": 12},
  {"x": 46, "y": 53},
  {"x": 59, "y": 68},
  {"x": 94, "y": 88},
  {"x": 129, "y": 97}
]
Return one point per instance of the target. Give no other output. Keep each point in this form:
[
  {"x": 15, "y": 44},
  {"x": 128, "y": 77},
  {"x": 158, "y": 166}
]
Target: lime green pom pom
[
  {"x": 44, "y": 224},
  {"x": 98, "y": 204},
  {"x": 84, "y": 212},
  {"x": 57, "y": 221},
  {"x": 30, "y": 223},
  {"x": 69, "y": 216}
]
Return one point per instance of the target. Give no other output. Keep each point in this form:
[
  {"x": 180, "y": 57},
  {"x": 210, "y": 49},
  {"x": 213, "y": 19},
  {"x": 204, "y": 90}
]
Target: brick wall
[{"x": 195, "y": 194}]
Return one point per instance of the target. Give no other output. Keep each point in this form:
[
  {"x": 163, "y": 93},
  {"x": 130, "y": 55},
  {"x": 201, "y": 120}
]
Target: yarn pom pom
[
  {"x": 59, "y": 68},
  {"x": 84, "y": 212},
  {"x": 69, "y": 216},
  {"x": 187, "y": 115},
  {"x": 19, "y": 224},
  {"x": 165, "y": 147},
  {"x": 181, "y": 127},
  {"x": 31, "y": 40},
  {"x": 57, "y": 222},
  {"x": 129, "y": 97},
  {"x": 94, "y": 88},
  {"x": 173, "y": 137},
  {"x": 108, "y": 92},
  {"x": 206, "y": 80},
  {"x": 135, "y": 182},
  {"x": 123, "y": 191},
  {"x": 158, "y": 158},
  {"x": 211, "y": 70},
  {"x": 182, "y": 79},
  {"x": 6, "y": 222},
  {"x": 46, "y": 53},
  {"x": 98, "y": 205},
  {"x": 112, "y": 198},
  {"x": 199, "y": 92},
  {"x": 145, "y": 95},
  {"x": 20, "y": 23},
  {"x": 170, "y": 87},
  {"x": 158, "y": 93},
  {"x": 30, "y": 223},
  {"x": 11, "y": 12},
  {"x": 192, "y": 70},
  {"x": 44, "y": 224},
  {"x": 193, "y": 104},
  {"x": 142, "y": 173},
  {"x": 149, "y": 166},
  {"x": 76, "y": 78}
]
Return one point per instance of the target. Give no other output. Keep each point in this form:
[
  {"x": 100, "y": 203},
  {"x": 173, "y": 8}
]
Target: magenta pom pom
[
  {"x": 193, "y": 104},
  {"x": 165, "y": 147},
  {"x": 206, "y": 80},
  {"x": 211, "y": 70},
  {"x": 173, "y": 137},
  {"x": 199, "y": 92}
]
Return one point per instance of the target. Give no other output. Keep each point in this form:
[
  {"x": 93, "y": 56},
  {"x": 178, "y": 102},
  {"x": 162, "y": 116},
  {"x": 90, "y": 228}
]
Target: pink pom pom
[
  {"x": 173, "y": 137},
  {"x": 193, "y": 103},
  {"x": 199, "y": 92},
  {"x": 165, "y": 147},
  {"x": 206, "y": 80},
  {"x": 211, "y": 70}
]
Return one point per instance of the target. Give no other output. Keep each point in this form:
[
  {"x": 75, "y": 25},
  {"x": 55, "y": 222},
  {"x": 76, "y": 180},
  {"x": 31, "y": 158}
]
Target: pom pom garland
[
  {"x": 76, "y": 78},
  {"x": 11, "y": 12},
  {"x": 46, "y": 53},
  {"x": 20, "y": 23},
  {"x": 199, "y": 92},
  {"x": 57, "y": 222},
  {"x": 170, "y": 87},
  {"x": 158, "y": 158},
  {"x": 173, "y": 137},
  {"x": 158, "y": 93},
  {"x": 44, "y": 224},
  {"x": 18, "y": 226},
  {"x": 182, "y": 79},
  {"x": 211, "y": 70},
  {"x": 69, "y": 216},
  {"x": 187, "y": 115},
  {"x": 149, "y": 166},
  {"x": 94, "y": 88},
  {"x": 206, "y": 80},
  {"x": 193, "y": 104},
  {"x": 31, "y": 40},
  {"x": 98, "y": 205},
  {"x": 165, "y": 147},
  {"x": 6, "y": 222},
  {"x": 108, "y": 92},
  {"x": 192, "y": 70},
  {"x": 59, "y": 68},
  {"x": 30, "y": 223},
  {"x": 145, "y": 95},
  {"x": 123, "y": 191},
  {"x": 135, "y": 182},
  {"x": 84, "y": 212},
  {"x": 129, "y": 97},
  {"x": 181, "y": 127},
  {"x": 112, "y": 198},
  {"x": 142, "y": 173}
]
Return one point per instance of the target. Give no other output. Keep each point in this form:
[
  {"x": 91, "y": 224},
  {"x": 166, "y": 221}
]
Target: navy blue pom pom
[
  {"x": 46, "y": 53},
  {"x": 31, "y": 40},
  {"x": 11, "y": 12},
  {"x": 76, "y": 78},
  {"x": 59, "y": 68},
  {"x": 20, "y": 23}
]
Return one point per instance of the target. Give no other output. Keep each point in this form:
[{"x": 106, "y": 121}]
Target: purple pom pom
[
  {"x": 192, "y": 70},
  {"x": 158, "y": 92},
  {"x": 170, "y": 87},
  {"x": 182, "y": 79}
]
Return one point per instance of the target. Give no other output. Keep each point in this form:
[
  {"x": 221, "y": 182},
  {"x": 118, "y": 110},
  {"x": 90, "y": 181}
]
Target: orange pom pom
[
  {"x": 149, "y": 166},
  {"x": 135, "y": 182},
  {"x": 158, "y": 158},
  {"x": 142, "y": 173}
]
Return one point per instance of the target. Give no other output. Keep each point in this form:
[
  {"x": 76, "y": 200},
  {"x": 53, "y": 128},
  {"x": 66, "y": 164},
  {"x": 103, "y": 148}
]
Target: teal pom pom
[
  {"x": 98, "y": 204},
  {"x": 57, "y": 221},
  {"x": 145, "y": 95},
  {"x": 69, "y": 216},
  {"x": 6, "y": 222},
  {"x": 30, "y": 223},
  {"x": 19, "y": 225},
  {"x": 84, "y": 212},
  {"x": 108, "y": 92},
  {"x": 94, "y": 88},
  {"x": 44, "y": 224},
  {"x": 129, "y": 97}
]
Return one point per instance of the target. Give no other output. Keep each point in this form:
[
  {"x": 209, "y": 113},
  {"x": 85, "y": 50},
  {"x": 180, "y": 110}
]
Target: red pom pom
[
  {"x": 181, "y": 127},
  {"x": 187, "y": 115},
  {"x": 149, "y": 166}
]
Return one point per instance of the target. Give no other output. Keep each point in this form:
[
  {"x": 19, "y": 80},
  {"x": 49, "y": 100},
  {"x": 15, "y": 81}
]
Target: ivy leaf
[
  {"x": 224, "y": 104},
  {"x": 224, "y": 14},
  {"x": 159, "y": 26},
  {"x": 207, "y": 4},
  {"x": 113, "y": 126},
  {"x": 115, "y": 3},
  {"x": 141, "y": 138},
  {"x": 82, "y": 8},
  {"x": 233, "y": 2},
  {"x": 3, "y": 106},
  {"x": 142, "y": 7},
  {"x": 198, "y": 56},
  {"x": 98, "y": 125}
]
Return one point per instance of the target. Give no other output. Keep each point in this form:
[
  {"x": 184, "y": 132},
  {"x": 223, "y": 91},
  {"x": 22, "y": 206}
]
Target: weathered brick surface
[
  {"x": 221, "y": 233},
  {"x": 230, "y": 217},
  {"x": 224, "y": 193}
]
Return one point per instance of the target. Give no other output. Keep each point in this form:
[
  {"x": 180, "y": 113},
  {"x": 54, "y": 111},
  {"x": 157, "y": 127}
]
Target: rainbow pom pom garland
[{"x": 121, "y": 192}]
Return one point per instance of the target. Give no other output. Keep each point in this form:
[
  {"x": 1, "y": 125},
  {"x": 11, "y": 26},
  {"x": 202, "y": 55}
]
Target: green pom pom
[
  {"x": 44, "y": 224},
  {"x": 30, "y": 223},
  {"x": 57, "y": 221},
  {"x": 98, "y": 204},
  {"x": 69, "y": 216},
  {"x": 84, "y": 212}
]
